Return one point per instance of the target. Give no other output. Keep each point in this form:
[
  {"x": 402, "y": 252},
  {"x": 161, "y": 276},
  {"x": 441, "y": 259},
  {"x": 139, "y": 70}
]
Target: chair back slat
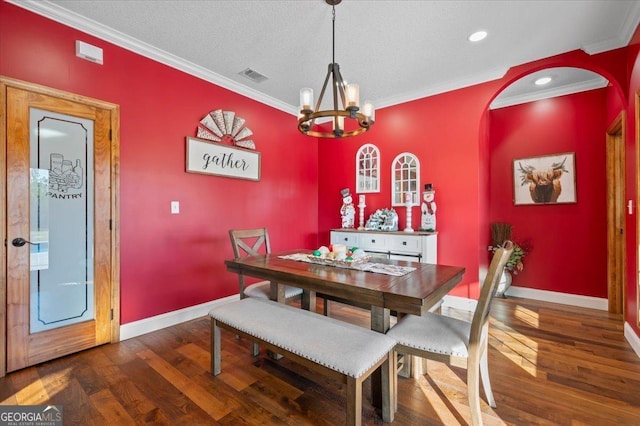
[
  {"x": 249, "y": 242},
  {"x": 488, "y": 291}
]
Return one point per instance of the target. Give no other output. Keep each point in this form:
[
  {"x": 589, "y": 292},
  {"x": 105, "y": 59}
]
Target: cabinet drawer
[
  {"x": 374, "y": 242},
  {"x": 346, "y": 238},
  {"x": 400, "y": 243},
  {"x": 416, "y": 257}
]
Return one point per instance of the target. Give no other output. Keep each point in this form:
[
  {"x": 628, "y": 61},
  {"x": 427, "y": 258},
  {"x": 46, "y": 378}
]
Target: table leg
[
  {"x": 407, "y": 360},
  {"x": 309, "y": 300},
  {"x": 380, "y": 322},
  {"x": 276, "y": 292}
]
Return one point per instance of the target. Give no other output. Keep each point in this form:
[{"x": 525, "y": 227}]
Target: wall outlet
[{"x": 175, "y": 207}]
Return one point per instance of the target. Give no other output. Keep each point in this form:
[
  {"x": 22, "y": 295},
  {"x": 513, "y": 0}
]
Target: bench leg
[
  {"x": 389, "y": 388},
  {"x": 354, "y": 402},
  {"x": 215, "y": 348}
]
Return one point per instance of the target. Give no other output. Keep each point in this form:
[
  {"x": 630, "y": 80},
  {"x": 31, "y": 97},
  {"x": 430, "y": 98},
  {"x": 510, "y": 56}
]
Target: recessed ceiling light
[
  {"x": 542, "y": 81},
  {"x": 477, "y": 36}
]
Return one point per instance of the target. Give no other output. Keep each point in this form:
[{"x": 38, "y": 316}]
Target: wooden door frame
[
  {"x": 636, "y": 271},
  {"x": 616, "y": 232},
  {"x": 114, "y": 110}
]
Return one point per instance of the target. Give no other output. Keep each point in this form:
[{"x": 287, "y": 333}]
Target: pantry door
[{"x": 60, "y": 236}]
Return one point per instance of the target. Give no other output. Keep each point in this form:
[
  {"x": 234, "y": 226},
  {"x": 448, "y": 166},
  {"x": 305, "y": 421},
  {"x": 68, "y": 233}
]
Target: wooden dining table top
[{"x": 412, "y": 293}]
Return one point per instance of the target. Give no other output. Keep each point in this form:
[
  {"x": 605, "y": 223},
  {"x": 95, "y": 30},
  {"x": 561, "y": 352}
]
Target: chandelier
[{"x": 346, "y": 102}]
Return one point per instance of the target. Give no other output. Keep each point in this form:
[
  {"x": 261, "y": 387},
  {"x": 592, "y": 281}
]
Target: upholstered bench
[{"x": 331, "y": 347}]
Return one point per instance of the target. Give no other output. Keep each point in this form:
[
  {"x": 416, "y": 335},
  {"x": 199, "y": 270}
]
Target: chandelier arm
[
  {"x": 335, "y": 73},
  {"x": 341, "y": 87},
  {"x": 324, "y": 87}
]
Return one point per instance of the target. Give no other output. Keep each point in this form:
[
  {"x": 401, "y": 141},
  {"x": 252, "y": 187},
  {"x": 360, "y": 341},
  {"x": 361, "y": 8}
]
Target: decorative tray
[{"x": 336, "y": 262}]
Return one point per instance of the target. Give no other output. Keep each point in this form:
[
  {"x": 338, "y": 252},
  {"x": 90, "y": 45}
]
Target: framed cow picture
[{"x": 548, "y": 179}]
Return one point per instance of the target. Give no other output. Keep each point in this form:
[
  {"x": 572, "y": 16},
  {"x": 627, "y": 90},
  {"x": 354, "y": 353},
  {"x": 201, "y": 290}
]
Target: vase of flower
[
  {"x": 501, "y": 232},
  {"x": 504, "y": 284}
]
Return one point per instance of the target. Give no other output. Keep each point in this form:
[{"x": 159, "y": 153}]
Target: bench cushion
[{"x": 338, "y": 345}]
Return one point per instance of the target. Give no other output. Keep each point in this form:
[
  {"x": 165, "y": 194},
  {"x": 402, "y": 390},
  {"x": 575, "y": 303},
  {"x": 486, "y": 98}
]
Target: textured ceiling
[{"x": 395, "y": 50}]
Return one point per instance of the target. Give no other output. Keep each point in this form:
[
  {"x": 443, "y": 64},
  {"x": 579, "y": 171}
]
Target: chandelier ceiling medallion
[{"x": 346, "y": 102}]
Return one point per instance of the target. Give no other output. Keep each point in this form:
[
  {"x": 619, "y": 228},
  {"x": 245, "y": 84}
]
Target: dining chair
[
  {"x": 456, "y": 342},
  {"x": 255, "y": 242}
]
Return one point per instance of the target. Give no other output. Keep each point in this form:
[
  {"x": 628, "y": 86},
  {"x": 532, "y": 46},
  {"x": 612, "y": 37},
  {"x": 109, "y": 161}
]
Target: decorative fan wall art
[{"x": 226, "y": 127}]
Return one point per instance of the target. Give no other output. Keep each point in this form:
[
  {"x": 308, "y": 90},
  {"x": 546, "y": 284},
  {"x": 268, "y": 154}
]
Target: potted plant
[{"x": 501, "y": 232}]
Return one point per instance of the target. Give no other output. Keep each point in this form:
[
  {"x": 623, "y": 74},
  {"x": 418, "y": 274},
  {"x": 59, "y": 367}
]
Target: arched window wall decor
[
  {"x": 405, "y": 177},
  {"x": 367, "y": 169}
]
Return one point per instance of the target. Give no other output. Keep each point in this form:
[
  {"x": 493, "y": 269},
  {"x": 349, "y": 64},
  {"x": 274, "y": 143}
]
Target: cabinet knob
[
  {"x": 404, "y": 243},
  {"x": 373, "y": 241},
  {"x": 346, "y": 239}
]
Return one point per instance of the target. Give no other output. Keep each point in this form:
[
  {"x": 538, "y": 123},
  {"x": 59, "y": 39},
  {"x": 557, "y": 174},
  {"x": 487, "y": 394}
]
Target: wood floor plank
[
  {"x": 170, "y": 401},
  {"x": 109, "y": 407},
  {"x": 207, "y": 402}
]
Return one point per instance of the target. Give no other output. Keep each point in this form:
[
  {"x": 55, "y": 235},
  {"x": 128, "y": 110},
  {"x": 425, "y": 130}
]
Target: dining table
[{"x": 419, "y": 288}]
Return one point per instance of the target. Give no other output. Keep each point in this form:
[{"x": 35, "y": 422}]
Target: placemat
[{"x": 376, "y": 268}]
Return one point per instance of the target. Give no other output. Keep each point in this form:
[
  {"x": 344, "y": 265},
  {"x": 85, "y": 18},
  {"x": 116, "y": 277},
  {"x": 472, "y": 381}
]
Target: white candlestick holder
[
  {"x": 408, "y": 204},
  {"x": 361, "y": 207}
]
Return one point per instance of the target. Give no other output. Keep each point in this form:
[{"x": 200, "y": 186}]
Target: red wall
[
  {"x": 569, "y": 242},
  {"x": 169, "y": 261}
]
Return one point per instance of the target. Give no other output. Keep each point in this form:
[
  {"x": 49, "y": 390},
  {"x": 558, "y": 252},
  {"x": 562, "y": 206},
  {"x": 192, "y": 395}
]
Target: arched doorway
[{"x": 566, "y": 115}]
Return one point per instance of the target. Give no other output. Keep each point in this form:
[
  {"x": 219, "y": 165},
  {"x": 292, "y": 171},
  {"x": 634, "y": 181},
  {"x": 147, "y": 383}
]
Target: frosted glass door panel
[{"x": 61, "y": 217}]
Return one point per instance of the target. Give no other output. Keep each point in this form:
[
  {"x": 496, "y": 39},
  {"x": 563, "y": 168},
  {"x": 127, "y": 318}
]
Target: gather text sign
[{"x": 222, "y": 160}]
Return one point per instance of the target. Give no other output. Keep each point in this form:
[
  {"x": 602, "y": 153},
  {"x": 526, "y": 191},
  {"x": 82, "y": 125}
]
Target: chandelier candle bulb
[
  {"x": 368, "y": 111},
  {"x": 306, "y": 98},
  {"x": 353, "y": 96}
]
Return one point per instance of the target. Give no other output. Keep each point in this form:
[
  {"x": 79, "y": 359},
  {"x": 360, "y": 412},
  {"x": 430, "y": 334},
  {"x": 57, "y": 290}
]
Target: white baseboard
[
  {"x": 632, "y": 338},
  {"x": 147, "y": 325},
  {"x": 555, "y": 297},
  {"x": 457, "y": 302}
]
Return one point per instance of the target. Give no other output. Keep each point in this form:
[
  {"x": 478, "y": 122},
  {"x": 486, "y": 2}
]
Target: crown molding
[
  {"x": 627, "y": 29},
  {"x": 469, "y": 81},
  {"x": 596, "y": 83},
  {"x": 59, "y": 14}
]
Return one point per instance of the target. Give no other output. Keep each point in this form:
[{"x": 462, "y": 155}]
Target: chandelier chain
[{"x": 333, "y": 53}]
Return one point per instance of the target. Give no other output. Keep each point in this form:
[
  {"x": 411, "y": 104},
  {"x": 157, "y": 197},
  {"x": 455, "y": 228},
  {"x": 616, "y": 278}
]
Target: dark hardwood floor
[{"x": 549, "y": 365}]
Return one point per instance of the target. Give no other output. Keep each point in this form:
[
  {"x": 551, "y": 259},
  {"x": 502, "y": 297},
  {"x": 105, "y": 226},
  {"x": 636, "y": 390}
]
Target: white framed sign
[{"x": 212, "y": 158}]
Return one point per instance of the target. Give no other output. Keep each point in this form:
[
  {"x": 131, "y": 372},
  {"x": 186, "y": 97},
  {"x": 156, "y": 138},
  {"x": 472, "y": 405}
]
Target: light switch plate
[{"x": 175, "y": 207}]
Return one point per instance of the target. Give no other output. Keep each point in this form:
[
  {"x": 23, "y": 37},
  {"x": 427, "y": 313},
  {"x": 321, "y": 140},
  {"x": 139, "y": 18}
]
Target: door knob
[{"x": 19, "y": 242}]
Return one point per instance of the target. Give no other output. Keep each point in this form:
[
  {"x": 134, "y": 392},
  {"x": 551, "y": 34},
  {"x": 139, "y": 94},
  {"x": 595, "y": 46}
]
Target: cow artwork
[{"x": 542, "y": 177}]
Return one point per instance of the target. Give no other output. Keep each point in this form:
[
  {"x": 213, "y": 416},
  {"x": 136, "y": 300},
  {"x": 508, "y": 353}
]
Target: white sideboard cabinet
[{"x": 413, "y": 246}]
